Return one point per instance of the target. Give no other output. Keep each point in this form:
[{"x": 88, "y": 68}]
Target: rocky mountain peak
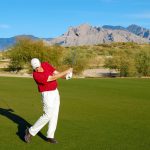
[
  {"x": 86, "y": 34},
  {"x": 140, "y": 31},
  {"x": 80, "y": 30}
]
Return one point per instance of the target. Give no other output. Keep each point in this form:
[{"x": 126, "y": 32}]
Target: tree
[
  {"x": 78, "y": 58},
  {"x": 143, "y": 62},
  {"x": 21, "y": 53}
]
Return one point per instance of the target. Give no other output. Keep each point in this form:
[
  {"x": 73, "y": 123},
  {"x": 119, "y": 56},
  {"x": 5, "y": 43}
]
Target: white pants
[{"x": 51, "y": 102}]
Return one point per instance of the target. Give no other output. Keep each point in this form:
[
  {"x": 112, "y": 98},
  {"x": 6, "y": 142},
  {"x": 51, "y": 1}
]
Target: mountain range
[{"x": 86, "y": 34}]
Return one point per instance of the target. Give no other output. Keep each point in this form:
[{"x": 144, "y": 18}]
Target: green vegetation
[
  {"x": 129, "y": 59},
  {"x": 95, "y": 114}
]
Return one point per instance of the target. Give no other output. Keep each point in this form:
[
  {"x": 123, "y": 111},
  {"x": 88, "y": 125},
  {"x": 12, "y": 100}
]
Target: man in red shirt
[{"x": 45, "y": 76}]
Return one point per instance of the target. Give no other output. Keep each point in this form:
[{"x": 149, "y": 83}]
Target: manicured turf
[{"x": 95, "y": 114}]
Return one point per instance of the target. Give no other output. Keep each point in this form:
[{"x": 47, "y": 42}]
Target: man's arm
[
  {"x": 59, "y": 75},
  {"x": 57, "y": 72}
]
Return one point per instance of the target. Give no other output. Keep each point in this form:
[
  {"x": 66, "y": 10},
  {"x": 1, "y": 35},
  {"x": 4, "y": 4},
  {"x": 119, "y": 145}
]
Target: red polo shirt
[{"x": 41, "y": 78}]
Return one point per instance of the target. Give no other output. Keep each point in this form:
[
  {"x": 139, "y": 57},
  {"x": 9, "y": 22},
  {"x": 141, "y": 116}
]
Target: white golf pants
[{"x": 51, "y": 102}]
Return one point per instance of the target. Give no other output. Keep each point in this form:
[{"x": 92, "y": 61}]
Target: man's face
[{"x": 39, "y": 69}]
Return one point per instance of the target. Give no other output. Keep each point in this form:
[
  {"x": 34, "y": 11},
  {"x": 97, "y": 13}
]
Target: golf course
[{"x": 95, "y": 114}]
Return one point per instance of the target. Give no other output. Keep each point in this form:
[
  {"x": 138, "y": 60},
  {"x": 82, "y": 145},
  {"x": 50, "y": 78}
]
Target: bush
[{"x": 122, "y": 62}]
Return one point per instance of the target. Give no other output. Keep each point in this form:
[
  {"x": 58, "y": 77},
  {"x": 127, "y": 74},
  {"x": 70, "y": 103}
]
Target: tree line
[{"x": 128, "y": 59}]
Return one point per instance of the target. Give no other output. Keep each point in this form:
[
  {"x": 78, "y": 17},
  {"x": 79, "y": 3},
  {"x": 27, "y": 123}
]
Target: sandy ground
[
  {"x": 2, "y": 74},
  {"x": 98, "y": 72},
  {"x": 86, "y": 73}
]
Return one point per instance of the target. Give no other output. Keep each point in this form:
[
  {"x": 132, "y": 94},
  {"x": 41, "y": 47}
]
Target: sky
[{"x": 52, "y": 18}]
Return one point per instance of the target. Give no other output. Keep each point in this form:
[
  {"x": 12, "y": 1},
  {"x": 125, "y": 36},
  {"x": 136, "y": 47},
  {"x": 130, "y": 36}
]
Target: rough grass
[{"x": 95, "y": 114}]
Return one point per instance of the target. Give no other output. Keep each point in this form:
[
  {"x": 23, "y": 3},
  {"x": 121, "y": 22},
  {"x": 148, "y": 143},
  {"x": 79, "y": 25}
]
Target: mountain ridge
[{"x": 86, "y": 34}]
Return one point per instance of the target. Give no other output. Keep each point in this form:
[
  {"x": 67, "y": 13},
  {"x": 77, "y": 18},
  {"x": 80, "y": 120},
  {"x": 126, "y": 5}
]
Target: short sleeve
[
  {"x": 52, "y": 69},
  {"x": 40, "y": 78}
]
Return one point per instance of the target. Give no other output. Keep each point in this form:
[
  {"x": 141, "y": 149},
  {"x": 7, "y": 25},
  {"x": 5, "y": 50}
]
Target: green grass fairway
[{"x": 95, "y": 114}]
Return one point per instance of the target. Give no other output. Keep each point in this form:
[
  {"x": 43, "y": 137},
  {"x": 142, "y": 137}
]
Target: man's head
[{"x": 35, "y": 63}]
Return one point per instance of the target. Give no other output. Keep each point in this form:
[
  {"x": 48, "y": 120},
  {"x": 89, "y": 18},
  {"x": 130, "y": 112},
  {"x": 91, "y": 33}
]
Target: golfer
[{"x": 45, "y": 76}]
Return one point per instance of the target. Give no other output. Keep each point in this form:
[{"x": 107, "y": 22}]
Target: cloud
[
  {"x": 142, "y": 16},
  {"x": 145, "y": 15},
  {"x": 4, "y": 26}
]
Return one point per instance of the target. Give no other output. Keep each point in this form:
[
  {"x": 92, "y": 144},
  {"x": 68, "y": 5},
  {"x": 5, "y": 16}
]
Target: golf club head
[{"x": 11, "y": 110}]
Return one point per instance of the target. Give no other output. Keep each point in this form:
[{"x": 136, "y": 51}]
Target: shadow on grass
[{"x": 22, "y": 124}]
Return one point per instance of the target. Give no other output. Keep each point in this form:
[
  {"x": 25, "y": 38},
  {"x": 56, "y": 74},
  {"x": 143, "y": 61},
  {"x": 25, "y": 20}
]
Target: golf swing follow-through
[{"x": 45, "y": 75}]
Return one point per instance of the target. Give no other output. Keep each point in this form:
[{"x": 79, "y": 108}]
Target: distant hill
[
  {"x": 8, "y": 42},
  {"x": 113, "y": 27},
  {"x": 86, "y": 34}
]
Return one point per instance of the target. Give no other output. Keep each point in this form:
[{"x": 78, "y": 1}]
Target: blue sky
[{"x": 51, "y": 18}]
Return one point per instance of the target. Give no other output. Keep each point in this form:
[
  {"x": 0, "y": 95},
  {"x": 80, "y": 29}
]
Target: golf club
[{"x": 9, "y": 109}]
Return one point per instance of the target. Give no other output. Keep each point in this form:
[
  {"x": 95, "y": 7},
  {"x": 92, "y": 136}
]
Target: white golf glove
[{"x": 69, "y": 76}]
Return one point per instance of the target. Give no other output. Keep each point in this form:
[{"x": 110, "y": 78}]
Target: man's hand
[
  {"x": 69, "y": 76},
  {"x": 70, "y": 70}
]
